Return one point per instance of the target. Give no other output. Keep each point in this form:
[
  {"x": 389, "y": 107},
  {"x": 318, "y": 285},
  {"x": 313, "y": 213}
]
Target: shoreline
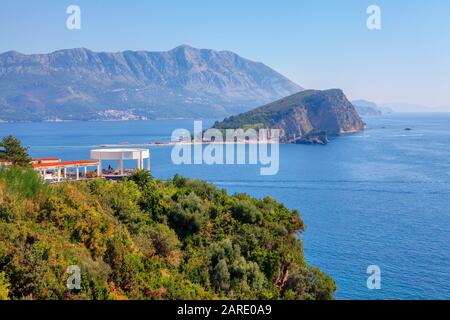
[{"x": 169, "y": 144}]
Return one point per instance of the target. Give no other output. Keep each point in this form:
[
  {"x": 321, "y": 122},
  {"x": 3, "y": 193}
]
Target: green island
[{"x": 144, "y": 238}]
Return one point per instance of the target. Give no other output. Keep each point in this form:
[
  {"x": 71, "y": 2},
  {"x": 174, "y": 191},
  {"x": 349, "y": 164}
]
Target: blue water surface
[{"x": 380, "y": 197}]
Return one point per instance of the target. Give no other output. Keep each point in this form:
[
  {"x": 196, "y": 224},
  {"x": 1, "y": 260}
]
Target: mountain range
[
  {"x": 369, "y": 108},
  {"x": 185, "y": 82}
]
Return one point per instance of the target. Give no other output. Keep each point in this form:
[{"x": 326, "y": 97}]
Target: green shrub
[
  {"x": 308, "y": 284},
  {"x": 122, "y": 199},
  {"x": 246, "y": 212},
  {"x": 141, "y": 178},
  {"x": 24, "y": 182},
  {"x": 4, "y": 286},
  {"x": 188, "y": 215},
  {"x": 163, "y": 239},
  {"x": 232, "y": 271}
]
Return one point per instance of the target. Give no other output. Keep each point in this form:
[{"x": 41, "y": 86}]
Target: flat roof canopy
[{"x": 120, "y": 154}]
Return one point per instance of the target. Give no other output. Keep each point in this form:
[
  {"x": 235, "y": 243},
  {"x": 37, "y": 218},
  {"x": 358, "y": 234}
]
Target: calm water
[{"x": 379, "y": 197}]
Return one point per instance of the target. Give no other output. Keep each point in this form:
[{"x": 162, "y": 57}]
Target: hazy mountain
[
  {"x": 81, "y": 84},
  {"x": 307, "y": 116},
  {"x": 408, "y": 107},
  {"x": 368, "y": 108}
]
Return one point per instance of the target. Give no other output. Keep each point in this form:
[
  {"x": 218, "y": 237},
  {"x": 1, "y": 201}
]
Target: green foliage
[
  {"x": 246, "y": 212},
  {"x": 230, "y": 270},
  {"x": 163, "y": 239},
  {"x": 141, "y": 178},
  {"x": 188, "y": 215},
  {"x": 4, "y": 286},
  {"x": 23, "y": 182},
  {"x": 122, "y": 200},
  {"x": 148, "y": 239},
  {"x": 221, "y": 276},
  {"x": 12, "y": 151},
  {"x": 309, "y": 284}
]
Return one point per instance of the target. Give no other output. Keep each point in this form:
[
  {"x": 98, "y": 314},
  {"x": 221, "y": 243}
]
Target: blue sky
[{"x": 316, "y": 43}]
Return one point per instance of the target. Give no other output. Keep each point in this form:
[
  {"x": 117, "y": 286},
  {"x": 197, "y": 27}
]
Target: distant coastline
[{"x": 173, "y": 143}]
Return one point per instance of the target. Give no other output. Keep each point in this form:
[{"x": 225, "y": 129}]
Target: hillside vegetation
[{"x": 149, "y": 239}]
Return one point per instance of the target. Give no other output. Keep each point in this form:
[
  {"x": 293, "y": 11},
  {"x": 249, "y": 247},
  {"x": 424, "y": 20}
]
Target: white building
[{"x": 120, "y": 155}]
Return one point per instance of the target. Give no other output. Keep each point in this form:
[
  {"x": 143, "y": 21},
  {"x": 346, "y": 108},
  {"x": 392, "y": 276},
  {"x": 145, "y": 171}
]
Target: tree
[
  {"x": 141, "y": 178},
  {"x": 164, "y": 239},
  {"x": 188, "y": 215},
  {"x": 12, "y": 151},
  {"x": 221, "y": 276},
  {"x": 246, "y": 212},
  {"x": 308, "y": 284}
]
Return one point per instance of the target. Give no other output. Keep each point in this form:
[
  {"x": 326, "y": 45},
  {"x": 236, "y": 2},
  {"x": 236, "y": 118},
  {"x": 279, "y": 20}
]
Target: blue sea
[{"x": 379, "y": 197}]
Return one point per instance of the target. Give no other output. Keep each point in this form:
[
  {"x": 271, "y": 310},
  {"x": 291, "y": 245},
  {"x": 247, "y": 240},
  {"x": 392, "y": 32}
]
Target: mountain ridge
[
  {"x": 369, "y": 108},
  {"x": 81, "y": 84}
]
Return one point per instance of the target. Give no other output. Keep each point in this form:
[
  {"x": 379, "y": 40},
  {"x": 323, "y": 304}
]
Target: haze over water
[{"x": 380, "y": 197}]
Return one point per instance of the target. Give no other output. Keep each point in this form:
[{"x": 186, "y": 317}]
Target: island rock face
[
  {"x": 305, "y": 117},
  {"x": 185, "y": 82}
]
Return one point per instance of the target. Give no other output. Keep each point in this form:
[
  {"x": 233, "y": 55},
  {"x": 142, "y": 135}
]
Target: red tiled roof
[
  {"x": 65, "y": 164},
  {"x": 35, "y": 160},
  {"x": 45, "y": 159}
]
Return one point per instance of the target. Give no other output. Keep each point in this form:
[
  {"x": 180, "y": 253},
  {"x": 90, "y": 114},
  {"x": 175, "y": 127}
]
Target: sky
[{"x": 318, "y": 44}]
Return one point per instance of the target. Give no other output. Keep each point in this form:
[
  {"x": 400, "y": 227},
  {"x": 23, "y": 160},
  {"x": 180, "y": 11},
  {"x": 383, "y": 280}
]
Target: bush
[
  {"x": 154, "y": 202},
  {"x": 232, "y": 271},
  {"x": 188, "y": 215},
  {"x": 24, "y": 182},
  {"x": 141, "y": 178},
  {"x": 308, "y": 284},
  {"x": 4, "y": 286},
  {"x": 163, "y": 239},
  {"x": 221, "y": 276},
  {"x": 122, "y": 199},
  {"x": 246, "y": 212}
]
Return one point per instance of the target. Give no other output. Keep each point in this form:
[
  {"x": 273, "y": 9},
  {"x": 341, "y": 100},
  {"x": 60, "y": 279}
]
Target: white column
[
  {"x": 99, "y": 168},
  {"x": 148, "y": 163},
  {"x": 78, "y": 173},
  {"x": 85, "y": 171},
  {"x": 121, "y": 166},
  {"x": 59, "y": 174},
  {"x": 65, "y": 173}
]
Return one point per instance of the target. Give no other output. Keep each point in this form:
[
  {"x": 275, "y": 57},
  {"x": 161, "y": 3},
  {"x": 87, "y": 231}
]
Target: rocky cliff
[{"x": 302, "y": 114}]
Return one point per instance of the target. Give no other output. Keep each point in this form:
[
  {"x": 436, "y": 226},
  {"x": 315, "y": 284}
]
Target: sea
[{"x": 375, "y": 198}]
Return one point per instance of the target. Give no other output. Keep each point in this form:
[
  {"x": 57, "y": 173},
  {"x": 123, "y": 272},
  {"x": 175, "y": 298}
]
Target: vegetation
[
  {"x": 4, "y": 287},
  {"x": 145, "y": 238},
  {"x": 11, "y": 150}
]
